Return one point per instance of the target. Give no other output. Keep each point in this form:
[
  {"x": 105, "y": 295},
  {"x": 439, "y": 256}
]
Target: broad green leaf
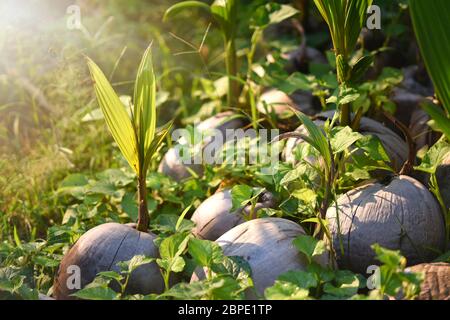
[
  {"x": 302, "y": 279},
  {"x": 431, "y": 25},
  {"x": 204, "y": 252},
  {"x": 117, "y": 119},
  {"x": 145, "y": 107},
  {"x": 442, "y": 122},
  {"x": 271, "y": 13},
  {"x": 433, "y": 158},
  {"x": 185, "y": 5},
  {"x": 240, "y": 195},
  {"x": 309, "y": 246},
  {"x": 343, "y": 138},
  {"x": 283, "y": 290},
  {"x": 173, "y": 246},
  {"x": 96, "y": 293}
]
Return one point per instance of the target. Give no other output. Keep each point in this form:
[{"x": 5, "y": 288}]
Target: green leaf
[
  {"x": 240, "y": 196},
  {"x": 434, "y": 157},
  {"x": 183, "y": 6},
  {"x": 96, "y": 293},
  {"x": 116, "y": 117},
  {"x": 431, "y": 25},
  {"x": 302, "y": 279},
  {"x": 282, "y": 290},
  {"x": 225, "y": 13},
  {"x": 442, "y": 122},
  {"x": 204, "y": 252},
  {"x": 390, "y": 258},
  {"x": 134, "y": 263},
  {"x": 173, "y": 246},
  {"x": 343, "y": 138},
  {"x": 271, "y": 13},
  {"x": 360, "y": 68},
  {"x": 145, "y": 107},
  {"x": 309, "y": 246},
  {"x": 316, "y": 138}
]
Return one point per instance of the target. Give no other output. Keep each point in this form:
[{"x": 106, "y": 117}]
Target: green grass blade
[
  {"x": 117, "y": 119},
  {"x": 431, "y": 20},
  {"x": 145, "y": 106}
]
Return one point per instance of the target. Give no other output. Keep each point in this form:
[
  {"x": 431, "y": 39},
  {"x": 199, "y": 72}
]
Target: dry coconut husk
[
  {"x": 266, "y": 244},
  {"x": 100, "y": 249},
  {"x": 400, "y": 214},
  {"x": 396, "y": 148},
  {"x": 214, "y": 217},
  {"x": 173, "y": 165},
  {"x": 436, "y": 284}
]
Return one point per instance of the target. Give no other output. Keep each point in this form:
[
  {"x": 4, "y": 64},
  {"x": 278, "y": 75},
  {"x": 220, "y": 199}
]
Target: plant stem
[
  {"x": 345, "y": 115},
  {"x": 409, "y": 164},
  {"x": 231, "y": 65},
  {"x": 143, "y": 216}
]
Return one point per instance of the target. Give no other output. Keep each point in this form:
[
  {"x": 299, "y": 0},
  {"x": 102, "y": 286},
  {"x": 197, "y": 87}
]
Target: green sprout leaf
[{"x": 117, "y": 119}]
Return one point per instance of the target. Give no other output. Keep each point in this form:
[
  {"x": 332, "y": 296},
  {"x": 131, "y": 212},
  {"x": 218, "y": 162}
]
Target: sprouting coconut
[
  {"x": 400, "y": 214},
  {"x": 173, "y": 165},
  {"x": 214, "y": 217},
  {"x": 102, "y": 247},
  {"x": 266, "y": 244},
  {"x": 396, "y": 148},
  {"x": 436, "y": 284}
]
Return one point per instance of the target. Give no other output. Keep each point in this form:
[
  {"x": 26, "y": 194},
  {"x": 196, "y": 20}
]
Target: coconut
[
  {"x": 173, "y": 165},
  {"x": 266, "y": 244},
  {"x": 443, "y": 180},
  {"x": 436, "y": 284},
  {"x": 279, "y": 103},
  {"x": 400, "y": 214},
  {"x": 396, "y": 148},
  {"x": 301, "y": 58},
  {"x": 214, "y": 217},
  {"x": 100, "y": 249}
]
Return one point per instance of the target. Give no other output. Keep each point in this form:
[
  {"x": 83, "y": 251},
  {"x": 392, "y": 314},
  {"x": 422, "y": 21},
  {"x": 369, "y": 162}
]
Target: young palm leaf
[
  {"x": 345, "y": 19},
  {"x": 117, "y": 119},
  {"x": 432, "y": 26},
  {"x": 136, "y": 136}
]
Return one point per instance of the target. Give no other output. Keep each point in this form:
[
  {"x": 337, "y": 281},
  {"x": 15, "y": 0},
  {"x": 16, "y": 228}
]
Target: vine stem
[{"x": 409, "y": 164}]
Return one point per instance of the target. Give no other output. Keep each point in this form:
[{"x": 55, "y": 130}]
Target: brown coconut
[
  {"x": 266, "y": 244},
  {"x": 396, "y": 148},
  {"x": 172, "y": 164},
  {"x": 214, "y": 217},
  {"x": 100, "y": 249},
  {"x": 399, "y": 215},
  {"x": 436, "y": 284}
]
